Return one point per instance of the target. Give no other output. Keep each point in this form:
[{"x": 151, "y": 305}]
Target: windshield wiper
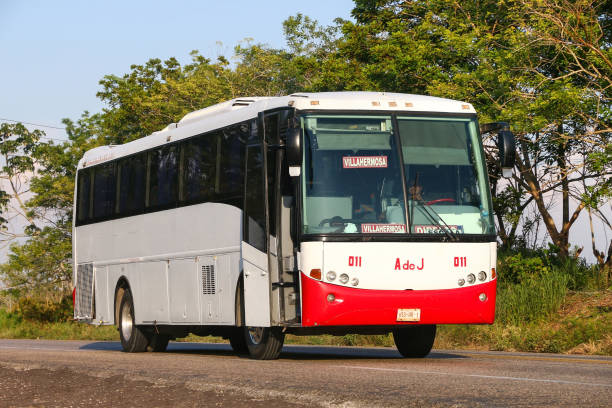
[{"x": 444, "y": 226}]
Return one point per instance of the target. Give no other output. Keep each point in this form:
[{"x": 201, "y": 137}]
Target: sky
[{"x": 54, "y": 53}]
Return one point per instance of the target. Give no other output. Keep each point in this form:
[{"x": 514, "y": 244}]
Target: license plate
[{"x": 408, "y": 315}]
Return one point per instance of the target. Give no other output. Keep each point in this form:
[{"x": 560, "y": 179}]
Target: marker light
[
  {"x": 461, "y": 282},
  {"x": 315, "y": 274},
  {"x": 344, "y": 278},
  {"x": 482, "y": 297},
  {"x": 482, "y": 275},
  {"x": 354, "y": 281},
  {"x": 493, "y": 273},
  {"x": 331, "y": 297},
  {"x": 331, "y": 275},
  {"x": 471, "y": 278}
]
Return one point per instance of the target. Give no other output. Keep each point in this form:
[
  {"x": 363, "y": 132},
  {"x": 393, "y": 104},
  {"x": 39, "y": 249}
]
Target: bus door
[
  {"x": 270, "y": 295},
  {"x": 280, "y": 211},
  {"x": 256, "y": 277}
]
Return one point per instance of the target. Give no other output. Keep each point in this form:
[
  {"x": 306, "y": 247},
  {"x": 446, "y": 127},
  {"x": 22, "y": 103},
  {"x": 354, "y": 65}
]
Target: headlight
[
  {"x": 331, "y": 275},
  {"x": 344, "y": 278},
  {"x": 471, "y": 278},
  {"x": 482, "y": 275},
  {"x": 461, "y": 282}
]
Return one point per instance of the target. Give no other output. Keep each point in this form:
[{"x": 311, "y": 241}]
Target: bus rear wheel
[
  {"x": 133, "y": 338},
  {"x": 264, "y": 343},
  {"x": 414, "y": 341}
]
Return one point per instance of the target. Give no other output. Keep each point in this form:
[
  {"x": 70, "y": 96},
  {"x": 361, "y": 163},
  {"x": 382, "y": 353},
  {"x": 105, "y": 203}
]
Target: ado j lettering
[{"x": 408, "y": 266}]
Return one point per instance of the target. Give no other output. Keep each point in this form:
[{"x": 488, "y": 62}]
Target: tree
[
  {"x": 40, "y": 175},
  {"x": 17, "y": 145},
  {"x": 513, "y": 64}
]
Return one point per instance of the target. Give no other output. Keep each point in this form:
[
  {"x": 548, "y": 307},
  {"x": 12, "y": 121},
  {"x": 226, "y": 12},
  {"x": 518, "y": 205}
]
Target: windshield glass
[
  {"x": 446, "y": 176},
  {"x": 352, "y": 176}
]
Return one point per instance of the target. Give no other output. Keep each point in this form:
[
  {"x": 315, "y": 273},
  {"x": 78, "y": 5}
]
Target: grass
[
  {"x": 534, "y": 312},
  {"x": 12, "y": 326},
  {"x": 581, "y": 325}
]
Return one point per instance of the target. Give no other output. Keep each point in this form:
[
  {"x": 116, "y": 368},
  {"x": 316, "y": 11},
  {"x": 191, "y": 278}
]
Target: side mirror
[
  {"x": 294, "y": 151},
  {"x": 507, "y": 151}
]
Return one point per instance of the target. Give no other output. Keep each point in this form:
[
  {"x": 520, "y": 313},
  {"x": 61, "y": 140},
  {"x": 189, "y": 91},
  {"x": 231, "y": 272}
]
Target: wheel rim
[
  {"x": 126, "y": 322},
  {"x": 256, "y": 334}
]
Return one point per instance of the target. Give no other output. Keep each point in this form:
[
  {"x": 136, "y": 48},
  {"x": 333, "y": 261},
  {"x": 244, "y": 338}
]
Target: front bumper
[{"x": 364, "y": 307}]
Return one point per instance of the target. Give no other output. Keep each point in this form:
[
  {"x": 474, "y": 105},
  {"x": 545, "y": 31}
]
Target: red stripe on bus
[{"x": 365, "y": 307}]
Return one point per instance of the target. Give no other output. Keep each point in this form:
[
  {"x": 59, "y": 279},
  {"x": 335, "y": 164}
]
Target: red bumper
[{"x": 365, "y": 307}]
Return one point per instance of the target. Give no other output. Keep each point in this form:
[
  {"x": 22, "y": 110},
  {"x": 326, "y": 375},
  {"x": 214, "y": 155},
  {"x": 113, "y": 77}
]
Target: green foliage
[
  {"x": 544, "y": 66},
  {"x": 515, "y": 269},
  {"x": 531, "y": 299},
  {"x": 13, "y": 326},
  {"x": 584, "y": 334},
  {"x": 40, "y": 267},
  {"x": 44, "y": 310},
  {"x": 17, "y": 145}
]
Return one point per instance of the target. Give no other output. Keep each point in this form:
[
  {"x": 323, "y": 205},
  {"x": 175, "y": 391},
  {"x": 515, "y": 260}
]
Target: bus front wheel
[
  {"x": 133, "y": 339},
  {"x": 414, "y": 341},
  {"x": 264, "y": 343}
]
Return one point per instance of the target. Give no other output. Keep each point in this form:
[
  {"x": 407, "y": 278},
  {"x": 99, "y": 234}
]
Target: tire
[
  {"x": 158, "y": 342},
  {"x": 264, "y": 343},
  {"x": 133, "y": 338},
  {"x": 414, "y": 341},
  {"x": 238, "y": 341}
]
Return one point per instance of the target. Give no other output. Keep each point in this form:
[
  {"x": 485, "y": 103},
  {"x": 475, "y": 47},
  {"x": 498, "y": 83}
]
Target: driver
[{"x": 367, "y": 208}]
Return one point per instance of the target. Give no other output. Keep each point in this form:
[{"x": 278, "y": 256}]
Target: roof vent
[{"x": 243, "y": 102}]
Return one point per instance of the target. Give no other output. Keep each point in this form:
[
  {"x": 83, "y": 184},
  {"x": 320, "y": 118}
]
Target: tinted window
[
  {"x": 199, "y": 168},
  {"x": 132, "y": 184},
  {"x": 231, "y": 164},
  {"x": 163, "y": 176},
  {"x": 83, "y": 196},
  {"x": 104, "y": 190},
  {"x": 255, "y": 221},
  {"x": 272, "y": 138}
]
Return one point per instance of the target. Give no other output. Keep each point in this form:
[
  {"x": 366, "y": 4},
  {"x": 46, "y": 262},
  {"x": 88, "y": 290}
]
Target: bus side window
[
  {"x": 131, "y": 187},
  {"x": 255, "y": 211},
  {"x": 231, "y": 166},
  {"x": 199, "y": 168},
  {"x": 163, "y": 177},
  {"x": 84, "y": 197},
  {"x": 104, "y": 190}
]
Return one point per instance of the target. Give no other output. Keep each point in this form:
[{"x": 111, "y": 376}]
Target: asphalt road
[{"x": 80, "y": 373}]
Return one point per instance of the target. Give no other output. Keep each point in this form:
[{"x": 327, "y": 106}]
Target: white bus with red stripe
[{"x": 350, "y": 212}]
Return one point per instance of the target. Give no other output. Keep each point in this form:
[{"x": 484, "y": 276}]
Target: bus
[{"x": 312, "y": 213}]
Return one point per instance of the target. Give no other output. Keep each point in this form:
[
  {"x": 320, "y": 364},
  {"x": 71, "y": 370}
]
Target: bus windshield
[{"x": 353, "y": 183}]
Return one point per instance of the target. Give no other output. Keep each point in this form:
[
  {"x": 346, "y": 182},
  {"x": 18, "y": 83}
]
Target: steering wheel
[
  {"x": 336, "y": 221},
  {"x": 440, "y": 200}
]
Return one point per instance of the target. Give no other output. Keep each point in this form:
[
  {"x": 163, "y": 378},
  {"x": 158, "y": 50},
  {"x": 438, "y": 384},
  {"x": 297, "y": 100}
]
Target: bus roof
[{"x": 242, "y": 109}]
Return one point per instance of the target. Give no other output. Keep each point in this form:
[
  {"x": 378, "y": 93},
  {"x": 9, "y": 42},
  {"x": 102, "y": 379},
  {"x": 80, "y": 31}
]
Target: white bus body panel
[
  {"x": 161, "y": 255},
  {"x": 400, "y": 265},
  {"x": 256, "y": 286}
]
